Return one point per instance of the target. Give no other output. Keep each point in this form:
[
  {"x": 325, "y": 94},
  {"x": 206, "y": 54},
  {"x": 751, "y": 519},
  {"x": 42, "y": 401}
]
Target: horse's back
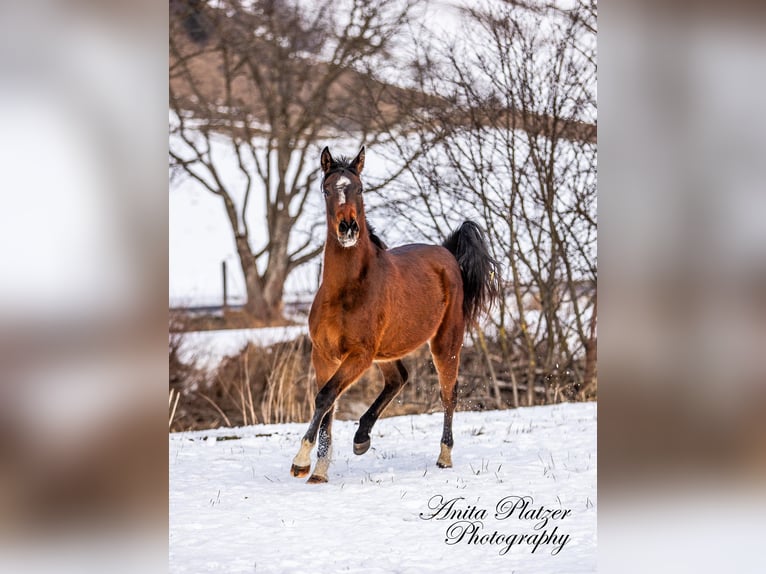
[
  {"x": 428, "y": 265},
  {"x": 421, "y": 254},
  {"x": 423, "y": 286}
]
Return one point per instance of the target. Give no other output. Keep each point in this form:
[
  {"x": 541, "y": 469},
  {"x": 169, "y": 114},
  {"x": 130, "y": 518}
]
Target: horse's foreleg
[
  {"x": 324, "y": 369},
  {"x": 395, "y": 376},
  {"x": 322, "y": 410},
  {"x": 348, "y": 372},
  {"x": 324, "y": 448},
  {"x": 302, "y": 461}
]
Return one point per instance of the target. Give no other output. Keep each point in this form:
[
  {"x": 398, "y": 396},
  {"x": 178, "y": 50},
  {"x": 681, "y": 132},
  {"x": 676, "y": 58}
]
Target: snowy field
[{"x": 235, "y": 508}]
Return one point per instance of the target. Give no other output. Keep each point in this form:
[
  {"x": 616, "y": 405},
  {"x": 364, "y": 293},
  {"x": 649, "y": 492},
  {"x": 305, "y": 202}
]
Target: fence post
[{"x": 225, "y": 293}]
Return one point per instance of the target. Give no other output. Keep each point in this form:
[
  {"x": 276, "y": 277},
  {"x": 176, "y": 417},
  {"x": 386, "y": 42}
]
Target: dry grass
[
  {"x": 259, "y": 385},
  {"x": 173, "y": 400},
  {"x": 276, "y": 384}
]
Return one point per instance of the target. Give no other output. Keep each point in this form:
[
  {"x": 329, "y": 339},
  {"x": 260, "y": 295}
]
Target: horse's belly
[{"x": 407, "y": 333}]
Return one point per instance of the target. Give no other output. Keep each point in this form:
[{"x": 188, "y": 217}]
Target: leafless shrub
[
  {"x": 184, "y": 373},
  {"x": 520, "y": 157}
]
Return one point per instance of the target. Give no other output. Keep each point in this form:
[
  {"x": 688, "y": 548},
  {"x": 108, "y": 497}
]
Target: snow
[
  {"x": 235, "y": 508},
  {"x": 207, "y": 348}
]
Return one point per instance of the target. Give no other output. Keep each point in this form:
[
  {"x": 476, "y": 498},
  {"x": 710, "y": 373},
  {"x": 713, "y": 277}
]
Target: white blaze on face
[{"x": 340, "y": 186}]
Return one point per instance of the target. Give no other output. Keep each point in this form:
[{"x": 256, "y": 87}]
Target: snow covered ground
[{"x": 235, "y": 508}]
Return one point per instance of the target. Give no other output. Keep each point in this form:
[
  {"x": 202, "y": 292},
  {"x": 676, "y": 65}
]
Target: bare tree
[
  {"x": 257, "y": 84},
  {"x": 521, "y": 157}
]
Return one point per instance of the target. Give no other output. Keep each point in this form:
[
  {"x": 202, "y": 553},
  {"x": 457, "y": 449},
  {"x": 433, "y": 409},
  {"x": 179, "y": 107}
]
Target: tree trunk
[
  {"x": 257, "y": 305},
  {"x": 278, "y": 266}
]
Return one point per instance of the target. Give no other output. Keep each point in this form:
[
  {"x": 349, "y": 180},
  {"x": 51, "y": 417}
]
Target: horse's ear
[
  {"x": 326, "y": 160},
  {"x": 358, "y": 163}
]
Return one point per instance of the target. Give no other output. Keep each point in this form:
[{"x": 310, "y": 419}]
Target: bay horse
[{"x": 376, "y": 305}]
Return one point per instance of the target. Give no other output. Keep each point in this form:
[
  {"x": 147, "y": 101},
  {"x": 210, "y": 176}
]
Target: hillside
[{"x": 207, "y": 82}]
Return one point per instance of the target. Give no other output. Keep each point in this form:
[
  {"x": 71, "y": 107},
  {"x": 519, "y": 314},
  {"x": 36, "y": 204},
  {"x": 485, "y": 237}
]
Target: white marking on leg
[
  {"x": 303, "y": 458},
  {"x": 445, "y": 456},
  {"x": 323, "y": 464}
]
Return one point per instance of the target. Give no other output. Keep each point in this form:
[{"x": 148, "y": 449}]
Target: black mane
[
  {"x": 342, "y": 163},
  {"x": 374, "y": 238}
]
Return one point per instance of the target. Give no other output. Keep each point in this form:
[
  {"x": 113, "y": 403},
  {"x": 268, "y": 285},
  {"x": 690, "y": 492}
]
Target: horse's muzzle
[{"x": 348, "y": 232}]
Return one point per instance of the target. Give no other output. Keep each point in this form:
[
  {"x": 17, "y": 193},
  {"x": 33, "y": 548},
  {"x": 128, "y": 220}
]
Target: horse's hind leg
[
  {"x": 395, "y": 376},
  {"x": 445, "y": 349}
]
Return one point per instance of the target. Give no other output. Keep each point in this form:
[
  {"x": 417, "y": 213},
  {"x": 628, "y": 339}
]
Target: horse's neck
[{"x": 344, "y": 265}]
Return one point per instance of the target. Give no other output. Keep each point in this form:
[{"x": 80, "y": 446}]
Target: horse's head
[{"x": 342, "y": 189}]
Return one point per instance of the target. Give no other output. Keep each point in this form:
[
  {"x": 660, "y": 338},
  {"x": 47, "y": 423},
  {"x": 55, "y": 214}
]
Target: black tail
[{"x": 481, "y": 281}]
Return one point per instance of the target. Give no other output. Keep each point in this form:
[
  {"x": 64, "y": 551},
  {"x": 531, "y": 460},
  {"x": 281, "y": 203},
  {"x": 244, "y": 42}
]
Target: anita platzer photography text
[{"x": 533, "y": 527}]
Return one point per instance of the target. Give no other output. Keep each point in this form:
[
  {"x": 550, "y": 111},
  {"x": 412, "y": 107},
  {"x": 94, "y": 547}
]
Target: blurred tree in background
[
  {"x": 263, "y": 82},
  {"x": 520, "y": 157}
]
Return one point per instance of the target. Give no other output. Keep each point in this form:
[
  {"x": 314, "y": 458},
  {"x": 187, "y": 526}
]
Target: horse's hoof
[
  {"x": 444, "y": 463},
  {"x": 299, "y": 471},
  {"x": 316, "y": 479},
  {"x": 361, "y": 447}
]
